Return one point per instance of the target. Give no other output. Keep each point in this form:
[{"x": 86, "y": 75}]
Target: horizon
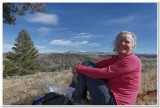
[
  {"x": 86, "y": 27},
  {"x": 88, "y": 52}
]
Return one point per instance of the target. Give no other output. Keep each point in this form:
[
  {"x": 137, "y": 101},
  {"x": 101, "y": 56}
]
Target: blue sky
[{"x": 86, "y": 27}]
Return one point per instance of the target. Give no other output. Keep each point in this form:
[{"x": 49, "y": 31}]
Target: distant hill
[
  {"x": 54, "y": 61},
  {"x": 70, "y": 58},
  {"x": 89, "y": 53},
  {"x": 147, "y": 55}
]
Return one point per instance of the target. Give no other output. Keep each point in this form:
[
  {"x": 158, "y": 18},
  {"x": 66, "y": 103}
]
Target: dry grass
[
  {"x": 146, "y": 100},
  {"x": 149, "y": 80},
  {"x": 148, "y": 84},
  {"x": 23, "y": 90}
]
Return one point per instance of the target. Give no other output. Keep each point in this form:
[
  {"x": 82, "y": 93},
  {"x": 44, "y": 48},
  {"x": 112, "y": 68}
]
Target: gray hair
[{"x": 125, "y": 33}]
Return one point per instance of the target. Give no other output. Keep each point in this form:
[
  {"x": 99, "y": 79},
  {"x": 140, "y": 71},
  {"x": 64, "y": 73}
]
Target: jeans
[{"x": 98, "y": 90}]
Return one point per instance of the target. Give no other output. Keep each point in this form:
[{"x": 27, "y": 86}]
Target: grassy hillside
[{"x": 22, "y": 90}]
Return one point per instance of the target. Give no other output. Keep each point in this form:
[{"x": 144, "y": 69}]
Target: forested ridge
[{"x": 61, "y": 61}]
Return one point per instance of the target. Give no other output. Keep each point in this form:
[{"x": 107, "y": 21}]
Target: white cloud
[
  {"x": 85, "y": 35},
  {"x": 73, "y": 43},
  {"x": 50, "y": 19},
  {"x": 40, "y": 47},
  {"x": 123, "y": 19},
  {"x": 59, "y": 29},
  {"x": 44, "y": 49},
  {"x": 68, "y": 43},
  {"x": 94, "y": 44},
  {"x": 44, "y": 30},
  {"x": 51, "y": 51}
]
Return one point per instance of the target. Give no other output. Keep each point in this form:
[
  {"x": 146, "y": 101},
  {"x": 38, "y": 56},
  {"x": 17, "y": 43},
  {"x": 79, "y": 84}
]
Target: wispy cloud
[
  {"x": 85, "y": 35},
  {"x": 59, "y": 29},
  {"x": 68, "y": 43},
  {"x": 50, "y": 51},
  {"x": 40, "y": 47},
  {"x": 44, "y": 30},
  {"x": 44, "y": 49},
  {"x": 123, "y": 19},
  {"x": 94, "y": 44},
  {"x": 49, "y": 19},
  {"x": 64, "y": 42}
]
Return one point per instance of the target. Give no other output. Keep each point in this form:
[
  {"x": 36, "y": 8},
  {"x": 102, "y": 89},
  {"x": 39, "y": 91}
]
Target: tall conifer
[{"x": 24, "y": 55}]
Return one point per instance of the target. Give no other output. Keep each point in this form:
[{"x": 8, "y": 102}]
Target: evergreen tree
[{"x": 23, "y": 57}]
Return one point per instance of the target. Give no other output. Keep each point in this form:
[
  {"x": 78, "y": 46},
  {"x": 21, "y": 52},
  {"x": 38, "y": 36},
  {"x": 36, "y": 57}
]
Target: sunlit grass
[{"x": 23, "y": 90}]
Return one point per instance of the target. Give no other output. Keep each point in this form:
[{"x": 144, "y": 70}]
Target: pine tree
[
  {"x": 24, "y": 56},
  {"x": 11, "y": 10}
]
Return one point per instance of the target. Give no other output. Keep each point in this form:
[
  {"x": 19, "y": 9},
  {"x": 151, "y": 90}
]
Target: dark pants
[{"x": 98, "y": 90}]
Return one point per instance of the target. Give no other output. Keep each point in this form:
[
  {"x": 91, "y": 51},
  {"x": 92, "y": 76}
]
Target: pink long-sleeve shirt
[{"x": 123, "y": 74}]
